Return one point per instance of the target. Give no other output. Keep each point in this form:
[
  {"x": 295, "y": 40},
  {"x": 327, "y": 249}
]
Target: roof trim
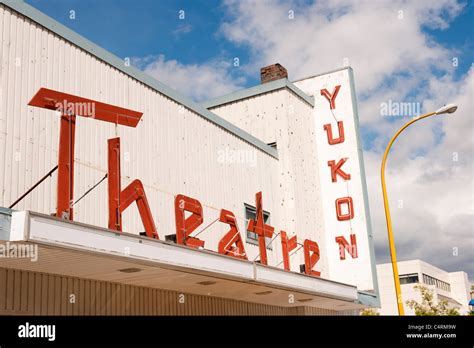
[
  {"x": 365, "y": 195},
  {"x": 258, "y": 90},
  {"x": 109, "y": 58},
  {"x": 368, "y": 299},
  {"x": 321, "y": 74}
]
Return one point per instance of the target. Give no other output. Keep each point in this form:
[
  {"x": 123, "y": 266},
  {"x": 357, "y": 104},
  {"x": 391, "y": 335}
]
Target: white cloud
[
  {"x": 198, "y": 81},
  {"x": 182, "y": 29},
  {"x": 370, "y": 34},
  {"x": 393, "y": 58}
]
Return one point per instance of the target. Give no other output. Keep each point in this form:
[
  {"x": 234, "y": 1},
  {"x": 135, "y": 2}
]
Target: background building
[
  {"x": 297, "y": 143},
  {"x": 451, "y": 286}
]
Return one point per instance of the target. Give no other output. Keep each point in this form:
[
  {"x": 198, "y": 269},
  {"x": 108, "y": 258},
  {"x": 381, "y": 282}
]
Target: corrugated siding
[
  {"x": 173, "y": 150},
  {"x": 33, "y": 293},
  {"x": 280, "y": 116}
]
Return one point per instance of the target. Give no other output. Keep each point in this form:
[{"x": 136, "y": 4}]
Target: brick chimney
[{"x": 272, "y": 73}]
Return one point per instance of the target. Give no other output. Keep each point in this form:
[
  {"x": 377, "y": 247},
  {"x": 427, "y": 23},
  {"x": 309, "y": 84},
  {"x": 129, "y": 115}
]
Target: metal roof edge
[
  {"x": 324, "y": 73},
  {"x": 365, "y": 195},
  {"x": 368, "y": 299},
  {"x": 258, "y": 90},
  {"x": 109, "y": 58},
  {"x": 307, "y": 98}
]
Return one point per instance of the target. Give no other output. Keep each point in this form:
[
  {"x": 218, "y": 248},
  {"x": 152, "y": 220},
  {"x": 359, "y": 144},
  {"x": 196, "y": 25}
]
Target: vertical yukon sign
[{"x": 349, "y": 245}]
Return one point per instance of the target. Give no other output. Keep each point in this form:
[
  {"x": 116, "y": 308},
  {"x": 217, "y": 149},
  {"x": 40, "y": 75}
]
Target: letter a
[{"x": 232, "y": 237}]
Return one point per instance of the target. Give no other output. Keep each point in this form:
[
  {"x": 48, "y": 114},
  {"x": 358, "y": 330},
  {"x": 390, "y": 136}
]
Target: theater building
[{"x": 254, "y": 203}]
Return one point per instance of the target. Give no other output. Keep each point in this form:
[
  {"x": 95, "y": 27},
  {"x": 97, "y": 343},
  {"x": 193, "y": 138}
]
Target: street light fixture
[{"x": 447, "y": 109}]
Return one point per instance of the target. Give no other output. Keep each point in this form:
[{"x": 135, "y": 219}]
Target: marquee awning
[{"x": 84, "y": 251}]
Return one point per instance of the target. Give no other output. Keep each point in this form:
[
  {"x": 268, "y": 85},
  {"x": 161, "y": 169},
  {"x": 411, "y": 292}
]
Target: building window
[
  {"x": 251, "y": 214},
  {"x": 436, "y": 282},
  {"x": 408, "y": 278}
]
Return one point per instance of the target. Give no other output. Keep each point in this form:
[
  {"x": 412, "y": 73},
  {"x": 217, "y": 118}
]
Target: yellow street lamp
[{"x": 447, "y": 109}]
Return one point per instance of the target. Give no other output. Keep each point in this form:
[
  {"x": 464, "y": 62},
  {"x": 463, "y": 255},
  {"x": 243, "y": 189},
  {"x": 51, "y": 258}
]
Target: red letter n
[{"x": 344, "y": 245}]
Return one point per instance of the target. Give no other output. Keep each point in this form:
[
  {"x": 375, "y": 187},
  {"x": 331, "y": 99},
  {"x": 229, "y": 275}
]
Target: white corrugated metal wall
[
  {"x": 282, "y": 117},
  {"x": 173, "y": 150}
]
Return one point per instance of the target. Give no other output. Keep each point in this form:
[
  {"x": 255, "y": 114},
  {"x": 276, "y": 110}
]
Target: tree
[
  {"x": 427, "y": 305},
  {"x": 369, "y": 311}
]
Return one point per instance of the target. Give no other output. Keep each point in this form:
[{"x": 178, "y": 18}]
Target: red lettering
[
  {"x": 350, "y": 208},
  {"x": 232, "y": 237},
  {"x": 344, "y": 245},
  {"x": 185, "y": 226},
  {"x": 331, "y": 98},
  {"x": 331, "y": 139},
  {"x": 336, "y": 170},
  {"x": 260, "y": 228},
  {"x": 120, "y": 200},
  {"x": 287, "y": 245},
  {"x": 68, "y": 105},
  {"x": 65, "y": 189},
  {"x": 311, "y": 257}
]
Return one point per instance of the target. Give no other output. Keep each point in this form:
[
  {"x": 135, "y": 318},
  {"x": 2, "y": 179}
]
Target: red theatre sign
[
  {"x": 231, "y": 243},
  {"x": 344, "y": 205}
]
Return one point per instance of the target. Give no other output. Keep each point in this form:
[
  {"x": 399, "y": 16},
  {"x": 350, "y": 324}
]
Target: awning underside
[{"x": 83, "y": 251}]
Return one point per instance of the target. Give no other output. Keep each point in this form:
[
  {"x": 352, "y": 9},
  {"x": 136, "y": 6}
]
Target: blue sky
[
  {"x": 459, "y": 36},
  {"x": 400, "y": 50},
  {"x": 148, "y": 27}
]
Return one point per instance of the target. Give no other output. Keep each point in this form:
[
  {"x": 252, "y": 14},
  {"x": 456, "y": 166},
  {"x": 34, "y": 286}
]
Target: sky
[{"x": 401, "y": 51}]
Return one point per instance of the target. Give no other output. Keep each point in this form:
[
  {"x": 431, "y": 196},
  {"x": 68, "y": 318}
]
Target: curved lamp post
[{"x": 448, "y": 109}]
